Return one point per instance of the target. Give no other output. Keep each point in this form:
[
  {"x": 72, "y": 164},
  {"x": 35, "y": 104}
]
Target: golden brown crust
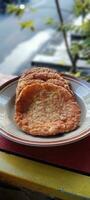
[
  {"x": 46, "y": 109},
  {"x": 37, "y": 69},
  {"x": 24, "y": 83},
  {"x": 41, "y": 74},
  {"x": 60, "y": 82}
]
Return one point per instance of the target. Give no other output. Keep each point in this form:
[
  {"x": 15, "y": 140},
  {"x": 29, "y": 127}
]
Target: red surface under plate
[{"x": 74, "y": 156}]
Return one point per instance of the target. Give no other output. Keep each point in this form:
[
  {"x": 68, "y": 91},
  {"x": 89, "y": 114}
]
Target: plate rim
[
  {"x": 43, "y": 144},
  {"x": 11, "y": 137}
]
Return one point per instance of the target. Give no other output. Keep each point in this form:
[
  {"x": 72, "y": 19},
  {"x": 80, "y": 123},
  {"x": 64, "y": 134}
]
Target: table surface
[{"x": 50, "y": 180}]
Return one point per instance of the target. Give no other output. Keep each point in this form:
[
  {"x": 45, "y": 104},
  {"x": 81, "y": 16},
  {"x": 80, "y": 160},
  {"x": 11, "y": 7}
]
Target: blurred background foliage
[
  {"x": 81, "y": 7},
  {"x": 79, "y": 46}
]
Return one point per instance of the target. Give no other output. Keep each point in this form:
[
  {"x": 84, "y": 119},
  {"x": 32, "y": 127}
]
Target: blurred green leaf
[
  {"x": 13, "y": 9},
  {"x": 82, "y": 47},
  {"x": 81, "y": 7},
  {"x": 75, "y": 48},
  {"x": 85, "y": 27},
  {"x": 65, "y": 27},
  {"x": 49, "y": 21},
  {"x": 86, "y": 48},
  {"x": 89, "y": 61},
  {"x": 28, "y": 24},
  {"x": 78, "y": 74}
]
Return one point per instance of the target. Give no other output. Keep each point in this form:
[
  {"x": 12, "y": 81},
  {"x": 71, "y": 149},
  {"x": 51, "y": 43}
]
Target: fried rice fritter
[
  {"x": 41, "y": 74},
  {"x": 46, "y": 109}
]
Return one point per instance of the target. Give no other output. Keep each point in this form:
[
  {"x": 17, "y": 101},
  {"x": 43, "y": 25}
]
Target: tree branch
[{"x": 73, "y": 61}]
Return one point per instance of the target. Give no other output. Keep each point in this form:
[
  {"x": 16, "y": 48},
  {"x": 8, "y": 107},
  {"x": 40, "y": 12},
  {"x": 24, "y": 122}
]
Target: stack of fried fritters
[{"x": 45, "y": 103}]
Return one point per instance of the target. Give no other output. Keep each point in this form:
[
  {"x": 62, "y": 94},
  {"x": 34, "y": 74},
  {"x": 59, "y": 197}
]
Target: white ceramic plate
[{"x": 9, "y": 129}]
